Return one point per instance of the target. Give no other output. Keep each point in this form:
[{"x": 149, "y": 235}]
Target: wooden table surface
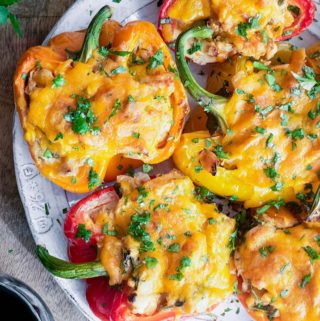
[{"x": 17, "y": 256}]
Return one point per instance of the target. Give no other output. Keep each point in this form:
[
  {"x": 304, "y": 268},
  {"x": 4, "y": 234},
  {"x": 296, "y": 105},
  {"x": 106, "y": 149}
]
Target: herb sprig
[{"x": 6, "y": 15}]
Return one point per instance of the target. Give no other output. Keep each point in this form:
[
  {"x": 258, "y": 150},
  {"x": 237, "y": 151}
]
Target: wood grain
[{"x": 17, "y": 256}]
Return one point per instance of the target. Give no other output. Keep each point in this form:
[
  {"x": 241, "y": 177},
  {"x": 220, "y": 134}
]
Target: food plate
[{"x": 45, "y": 203}]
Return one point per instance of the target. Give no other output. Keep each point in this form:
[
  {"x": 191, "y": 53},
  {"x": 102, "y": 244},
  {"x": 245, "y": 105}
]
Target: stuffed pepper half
[{"x": 88, "y": 97}]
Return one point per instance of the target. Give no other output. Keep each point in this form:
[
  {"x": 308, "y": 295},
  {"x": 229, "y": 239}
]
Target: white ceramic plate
[{"x": 44, "y": 202}]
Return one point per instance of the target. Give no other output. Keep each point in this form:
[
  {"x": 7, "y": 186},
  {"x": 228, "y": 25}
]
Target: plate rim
[{"x": 15, "y": 126}]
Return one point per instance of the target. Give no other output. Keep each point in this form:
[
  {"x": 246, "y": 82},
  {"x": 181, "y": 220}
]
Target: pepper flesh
[
  {"x": 271, "y": 149},
  {"x": 147, "y": 128}
]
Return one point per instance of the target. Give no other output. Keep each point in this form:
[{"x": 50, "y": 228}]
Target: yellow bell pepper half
[{"x": 269, "y": 149}]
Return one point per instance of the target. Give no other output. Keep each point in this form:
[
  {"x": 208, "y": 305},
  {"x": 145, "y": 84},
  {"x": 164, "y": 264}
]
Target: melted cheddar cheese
[
  {"x": 129, "y": 100},
  {"x": 281, "y": 272},
  {"x": 246, "y": 27},
  {"x": 271, "y": 150},
  {"x": 176, "y": 247}
]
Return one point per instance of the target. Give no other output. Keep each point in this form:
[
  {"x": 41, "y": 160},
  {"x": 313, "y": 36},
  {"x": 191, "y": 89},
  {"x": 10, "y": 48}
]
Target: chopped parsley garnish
[
  {"x": 95, "y": 131},
  {"x": 93, "y": 179},
  {"x": 58, "y": 81},
  {"x": 283, "y": 293},
  {"x": 277, "y": 187},
  {"x": 284, "y": 119},
  {"x": 269, "y": 141},
  {"x": 232, "y": 240},
  {"x": 137, "y": 230},
  {"x": 218, "y": 150},
  {"x": 47, "y": 153},
  {"x": 229, "y": 133},
  {"x": 189, "y": 234},
  {"x": 309, "y": 167},
  {"x": 105, "y": 51},
  {"x": 73, "y": 180},
  {"x": 118, "y": 70},
  {"x": 300, "y": 196},
  {"x": 106, "y": 231},
  {"x": 271, "y": 80},
  {"x": 142, "y": 194},
  {"x": 312, "y": 136},
  {"x": 264, "y": 36},
  {"x": 312, "y": 253},
  {"x": 287, "y": 33},
  {"x": 83, "y": 233},
  {"x": 308, "y": 81},
  {"x": 265, "y": 111},
  {"x": 174, "y": 248},
  {"x": 135, "y": 60},
  {"x": 211, "y": 220},
  {"x": 264, "y": 208},
  {"x": 240, "y": 91},
  {"x": 161, "y": 206},
  {"x": 120, "y": 53},
  {"x": 317, "y": 239},
  {"x": 196, "y": 46},
  {"x": 198, "y": 168},
  {"x": 260, "y": 130},
  {"x": 156, "y": 60},
  {"x": 287, "y": 107},
  {"x": 82, "y": 118},
  {"x": 271, "y": 172},
  {"x": 131, "y": 99},
  {"x": 259, "y": 65},
  {"x": 253, "y": 23},
  {"x": 313, "y": 114},
  {"x": 146, "y": 168},
  {"x": 295, "y": 91},
  {"x": 150, "y": 262},
  {"x": 185, "y": 262},
  {"x": 58, "y": 136},
  {"x": 265, "y": 250},
  {"x": 305, "y": 280},
  {"x": 115, "y": 108},
  {"x": 174, "y": 71},
  {"x": 295, "y": 134},
  {"x": 176, "y": 277},
  {"x": 136, "y": 135}
]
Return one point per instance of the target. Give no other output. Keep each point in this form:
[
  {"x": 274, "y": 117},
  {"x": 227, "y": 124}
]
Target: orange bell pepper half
[{"x": 89, "y": 101}]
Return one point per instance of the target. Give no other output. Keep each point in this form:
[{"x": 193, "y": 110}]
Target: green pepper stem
[
  {"x": 211, "y": 103},
  {"x": 315, "y": 207},
  {"x": 67, "y": 270},
  {"x": 91, "y": 40}
]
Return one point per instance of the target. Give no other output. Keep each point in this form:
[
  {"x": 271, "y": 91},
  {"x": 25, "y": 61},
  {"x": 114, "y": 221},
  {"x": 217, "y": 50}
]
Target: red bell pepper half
[
  {"x": 302, "y": 18},
  {"x": 302, "y": 10},
  {"x": 107, "y": 303}
]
